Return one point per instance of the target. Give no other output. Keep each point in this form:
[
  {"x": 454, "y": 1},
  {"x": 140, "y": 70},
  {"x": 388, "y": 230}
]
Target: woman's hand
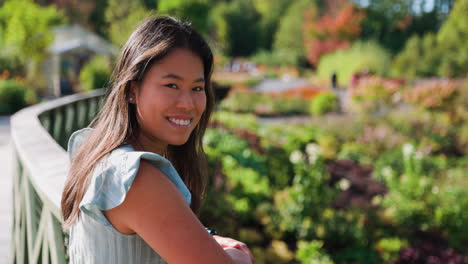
[{"x": 226, "y": 242}]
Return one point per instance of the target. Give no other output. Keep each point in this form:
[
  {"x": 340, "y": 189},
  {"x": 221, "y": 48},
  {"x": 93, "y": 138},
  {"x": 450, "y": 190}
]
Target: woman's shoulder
[{"x": 114, "y": 175}]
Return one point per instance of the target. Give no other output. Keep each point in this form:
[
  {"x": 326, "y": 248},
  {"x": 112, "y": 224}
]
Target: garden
[
  {"x": 385, "y": 188},
  {"x": 363, "y": 160}
]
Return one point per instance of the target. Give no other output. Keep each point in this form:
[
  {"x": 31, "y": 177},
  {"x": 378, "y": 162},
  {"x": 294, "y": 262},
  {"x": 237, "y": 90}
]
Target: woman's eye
[
  {"x": 171, "y": 85},
  {"x": 199, "y": 89}
]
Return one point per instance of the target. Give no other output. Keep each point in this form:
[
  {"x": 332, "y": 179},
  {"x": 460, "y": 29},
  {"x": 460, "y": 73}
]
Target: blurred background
[{"x": 340, "y": 133}]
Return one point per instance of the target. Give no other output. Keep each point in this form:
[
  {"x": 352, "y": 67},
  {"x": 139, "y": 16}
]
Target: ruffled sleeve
[{"x": 113, "y": 176}]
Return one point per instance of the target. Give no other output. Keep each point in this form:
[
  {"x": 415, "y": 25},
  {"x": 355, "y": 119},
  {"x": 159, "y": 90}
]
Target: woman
[{"x": 137, "y": 176}]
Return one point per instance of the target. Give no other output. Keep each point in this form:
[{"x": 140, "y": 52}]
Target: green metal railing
[{"x": 40, "y": 134}]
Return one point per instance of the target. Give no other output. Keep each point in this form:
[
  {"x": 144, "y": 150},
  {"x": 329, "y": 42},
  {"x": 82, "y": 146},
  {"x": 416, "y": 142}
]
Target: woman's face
[{"x": 170, "y": 100}]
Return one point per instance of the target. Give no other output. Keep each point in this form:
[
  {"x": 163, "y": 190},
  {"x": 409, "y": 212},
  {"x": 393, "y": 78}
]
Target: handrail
[{"x": 40, "y": 134}]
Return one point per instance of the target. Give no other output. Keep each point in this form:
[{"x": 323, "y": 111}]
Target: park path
[
  {"x": 280, "y": 85},
  {"x": 6, "y": 171}
]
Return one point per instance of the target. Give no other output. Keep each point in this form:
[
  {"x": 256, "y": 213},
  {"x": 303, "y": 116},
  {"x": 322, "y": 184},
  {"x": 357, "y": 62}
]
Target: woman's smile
[{"x": 180, "y": 122}]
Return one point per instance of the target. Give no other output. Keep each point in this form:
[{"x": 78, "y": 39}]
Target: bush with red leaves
[
  {"x": 430, "y": 248},
  {"x": 362, "y": 188}
]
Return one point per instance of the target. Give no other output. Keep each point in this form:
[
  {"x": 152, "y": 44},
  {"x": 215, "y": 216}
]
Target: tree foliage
[
  {"x": 123, "y": 17},
  {"x": 289, "y": 36},
  {"x": 340, "y": 24},
  {"x": 453, "y": 40},
  {"x": 393, "y": 22},
  {"x": 444, "y": 54},
  {"x": 25, "y": 29},
  {"x": 271, "y": 13},
  {"x": 195, "y": 11},
  {"x": 236, "y": 27},
  {"x": 415, "y": 61}
]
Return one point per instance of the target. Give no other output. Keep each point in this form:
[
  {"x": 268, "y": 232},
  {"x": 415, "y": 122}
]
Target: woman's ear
[{"x": 132, "y": 93}]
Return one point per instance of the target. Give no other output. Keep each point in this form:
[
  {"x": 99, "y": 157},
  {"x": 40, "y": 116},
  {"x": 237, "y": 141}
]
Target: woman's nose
[{"x": 185, "y": 100}]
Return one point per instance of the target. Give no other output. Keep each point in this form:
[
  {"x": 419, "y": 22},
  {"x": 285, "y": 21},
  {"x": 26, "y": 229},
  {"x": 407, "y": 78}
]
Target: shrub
[
  {"x": 13, "y": 96},
  {"x": 372, "y": 94},
  {"x": 95, "y": 73},
  {"x": 433, "y": 95},
  {"x": 233, "y": 121},
  {"x": 362, "y": 56},
  {"x": 324, "y": 103},
  {"x": 11, "y": 65},
  {"x": 263, "y": 104},
  {"x": 242, "y": 168},
  {"x": 275, "y": 58},
  {"x": 311, "y": 252},
  {"x": 389, "y": 248}
]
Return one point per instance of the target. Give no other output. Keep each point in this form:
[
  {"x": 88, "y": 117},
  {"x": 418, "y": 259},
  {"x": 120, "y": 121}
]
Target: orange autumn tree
[{"x": 340, "y": 24}]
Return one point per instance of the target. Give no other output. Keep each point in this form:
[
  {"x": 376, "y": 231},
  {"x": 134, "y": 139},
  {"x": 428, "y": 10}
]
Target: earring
[{"x": 130, "y": 99}]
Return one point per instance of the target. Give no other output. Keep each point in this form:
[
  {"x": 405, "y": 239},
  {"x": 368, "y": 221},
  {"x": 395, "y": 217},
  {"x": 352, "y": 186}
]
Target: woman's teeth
[{"x": 181, "y": 122}]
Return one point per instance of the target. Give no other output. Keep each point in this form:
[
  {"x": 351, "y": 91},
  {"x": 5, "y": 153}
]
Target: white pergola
[{"x": 73, "y": 38}]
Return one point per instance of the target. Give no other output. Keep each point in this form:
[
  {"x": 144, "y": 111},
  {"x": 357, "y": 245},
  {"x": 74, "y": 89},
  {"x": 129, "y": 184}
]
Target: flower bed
[{"x": 301, "y": 192}]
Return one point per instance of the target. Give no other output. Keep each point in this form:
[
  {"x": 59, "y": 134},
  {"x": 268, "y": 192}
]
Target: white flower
[
  {"x": 313, "y": 152},
  {"x": 296, "y": 157},
  {"x": 387, "y": 172},
  {"x": 408, "y": 149},
  {"x": 344, "y": 184},
  {"x": 313, "y": 149}
]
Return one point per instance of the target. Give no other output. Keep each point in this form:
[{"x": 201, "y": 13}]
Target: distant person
[
  {"x": 334, "y": 81},
  {"x": 137, "y": 176}
]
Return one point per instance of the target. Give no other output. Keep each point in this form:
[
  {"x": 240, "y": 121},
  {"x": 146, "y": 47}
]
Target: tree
[
  {"x": 123, "y": 17},
  {"x": 444, "y": 54},
  {"x": 290, "y": 34},
  {"x": 195, "y": 11},
  {"x": 393, "y": 22},
  {"x": 25, "y": 28},
  {"x": 97, "y": 17},
  {"x": 453, "y": 41},
  {"x": 270, "y": 13},
  {"x": 77, "y": 11},
  {"x": 236, "y": 27},
  {"x": 25, "y": 33},
  {"x": 340, "y": 24},
  {"x": 419, "y": 58}
]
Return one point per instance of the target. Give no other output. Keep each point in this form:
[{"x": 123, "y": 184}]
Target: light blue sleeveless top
[{"x": 93, "y": 240}]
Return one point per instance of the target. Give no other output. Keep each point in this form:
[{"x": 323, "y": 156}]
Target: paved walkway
[
  {"x": 279, "y": 85},
  {"x": 6, "y": 165}
]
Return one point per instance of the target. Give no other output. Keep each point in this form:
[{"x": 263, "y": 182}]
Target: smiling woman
[
  {"x": 170, "y": 100},
  {"x": 138, "y": 174}
]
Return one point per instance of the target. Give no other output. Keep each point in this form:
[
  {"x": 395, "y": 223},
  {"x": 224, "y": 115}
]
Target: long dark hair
[{"x": 116, "y": 122}]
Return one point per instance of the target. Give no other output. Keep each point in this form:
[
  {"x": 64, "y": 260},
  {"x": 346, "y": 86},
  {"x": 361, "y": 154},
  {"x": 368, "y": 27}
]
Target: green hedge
[
  {"x": 324, "y": 103},
  {"x": 13, "y": 96},
  {"x": 362, "y": 56}
]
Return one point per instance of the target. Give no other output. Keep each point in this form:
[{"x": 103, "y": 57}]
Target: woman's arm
[
  {"x": 156, "y": 211},
  {"x": 238, "y": 256},
  {"x": 227, "y": 243}
]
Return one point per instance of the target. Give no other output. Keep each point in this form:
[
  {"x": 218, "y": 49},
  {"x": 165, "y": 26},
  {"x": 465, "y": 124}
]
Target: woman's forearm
[{"x": 238, "y": 256}]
